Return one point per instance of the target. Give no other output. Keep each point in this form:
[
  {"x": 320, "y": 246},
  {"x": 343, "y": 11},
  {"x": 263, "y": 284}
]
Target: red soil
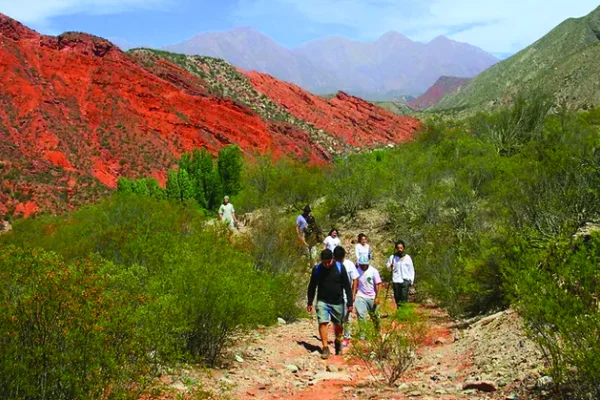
[{"x": 358, "y": 122}]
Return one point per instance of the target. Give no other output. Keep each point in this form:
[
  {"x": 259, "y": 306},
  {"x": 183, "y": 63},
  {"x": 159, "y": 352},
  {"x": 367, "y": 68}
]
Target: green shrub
[
  {"x": 197, "y": 288},
  {"x": 390, "y": 344},
  {"x": 64, "y": 332},
  {"x": 557, "y": 291}
]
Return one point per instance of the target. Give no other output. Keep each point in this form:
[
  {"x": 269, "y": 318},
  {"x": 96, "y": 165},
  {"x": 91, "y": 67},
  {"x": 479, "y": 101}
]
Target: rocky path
[{"x": 490, "y": 359}]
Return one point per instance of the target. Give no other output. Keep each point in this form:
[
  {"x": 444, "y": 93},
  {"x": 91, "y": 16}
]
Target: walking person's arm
[
  {"x": 221, "y": 213},
  {"x": 377, "y": 281},
  {"x": 390, "y": 263},
  {"x": 312, "y": 289},
  {"x": 347, "y": 288},
  {"x": 233, "y": 214},
  {"x": 411, "y": 270}
]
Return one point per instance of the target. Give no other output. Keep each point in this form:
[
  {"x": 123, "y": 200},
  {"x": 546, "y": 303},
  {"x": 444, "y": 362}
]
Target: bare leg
[
  {"x": 323, "y": 331},
  {"x": 339, "y": 330}
]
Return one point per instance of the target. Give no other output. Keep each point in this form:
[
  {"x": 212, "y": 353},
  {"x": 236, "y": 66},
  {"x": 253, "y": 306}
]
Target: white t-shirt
[
  {"x": 402, "y": 268},
  {"x": 367, "y": 282},
  {"x": 331, "y": 242},
  {"x": 352, "y": 274},
  {"x": 227, "y": 211},
  {"x": 362, "y": 250}
]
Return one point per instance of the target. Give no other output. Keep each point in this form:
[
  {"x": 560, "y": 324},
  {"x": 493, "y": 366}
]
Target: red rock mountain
[
  {"x": 434, "y": 94},
  {"x": 76, "y": 113}
]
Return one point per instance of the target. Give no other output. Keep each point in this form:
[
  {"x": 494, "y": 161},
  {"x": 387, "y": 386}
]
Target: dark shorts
[{"x": 330, "y": 313}]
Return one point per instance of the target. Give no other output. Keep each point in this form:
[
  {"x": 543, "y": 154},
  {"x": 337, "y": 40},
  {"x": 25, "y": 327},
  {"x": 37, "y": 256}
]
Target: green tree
[
  {"x": 124, "y": 185},
  {"x": 230, "y": 163},
  {"x": 173, "y": 190},
  {"x": 186, "y": 186}
]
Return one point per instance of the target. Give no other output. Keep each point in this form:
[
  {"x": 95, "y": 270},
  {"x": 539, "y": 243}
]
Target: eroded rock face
[
  {"x": 356, "y": 122},
  {"x": 443, "y": 86},
  {"x": 76, "y": 113}
]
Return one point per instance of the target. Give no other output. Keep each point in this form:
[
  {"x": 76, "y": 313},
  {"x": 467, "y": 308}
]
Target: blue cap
[{"x": 363, "y": 260}]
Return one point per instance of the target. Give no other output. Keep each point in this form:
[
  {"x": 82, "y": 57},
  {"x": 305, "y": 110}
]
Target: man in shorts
[
  {"x": 329, "y": 281},
  {"x": 339, "y": 254}
]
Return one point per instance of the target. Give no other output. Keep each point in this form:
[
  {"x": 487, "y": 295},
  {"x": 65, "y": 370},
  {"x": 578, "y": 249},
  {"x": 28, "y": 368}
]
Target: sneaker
[
  {"x": 325, "y": 353},
  {"x": 346, "y": 342},
  {"x": 338, "y": 347}
]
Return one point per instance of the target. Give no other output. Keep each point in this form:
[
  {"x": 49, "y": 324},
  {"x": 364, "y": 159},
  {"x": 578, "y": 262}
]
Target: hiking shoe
[
  {"x": 338, "y": 347},
  {"x": 325, "y": 353},
  {"x": 346, "y": 342}
]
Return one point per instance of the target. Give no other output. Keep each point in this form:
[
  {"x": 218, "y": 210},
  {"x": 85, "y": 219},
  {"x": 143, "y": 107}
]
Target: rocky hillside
[
  {"x": 564, "y": 64},
  {"x": 77, "y": 113},
  {"x": 443, "y": 86},
  {"x": 384, "y": 69}
]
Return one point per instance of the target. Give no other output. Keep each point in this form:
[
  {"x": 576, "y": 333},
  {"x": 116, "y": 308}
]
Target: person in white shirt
[
  {"x": 339, "y": 255},
  {"x": 403, "y": 273},
  {"x": 362, "y": 248},
  {"x": 332, "y": 241},
  {"x": 369, "y": 285},
  {"x": 227, "y": 213}
]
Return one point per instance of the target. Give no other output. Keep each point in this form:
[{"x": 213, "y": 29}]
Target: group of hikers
[{"x": 342, "y": 286}]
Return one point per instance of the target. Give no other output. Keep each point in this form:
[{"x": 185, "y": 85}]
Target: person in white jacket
[{"x": 403, "y": 273}]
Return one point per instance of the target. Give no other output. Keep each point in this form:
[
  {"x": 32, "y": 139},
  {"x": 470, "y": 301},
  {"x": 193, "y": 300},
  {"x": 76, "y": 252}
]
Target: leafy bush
[
  {"x": 282, "y": 183},
  {"x": 65, "y": 333},
  {"x": 355, "y": 184},
  {"x": 197, "y": 288},
  {"x": 557, "y": 291},
  {"x": 390, "y": 344}
]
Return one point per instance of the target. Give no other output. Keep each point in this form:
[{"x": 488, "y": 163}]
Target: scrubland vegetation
[{"x": 94, "y": 303}]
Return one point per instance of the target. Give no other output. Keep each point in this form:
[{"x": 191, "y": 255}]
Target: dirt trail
[{"x": 283, "y": 362}]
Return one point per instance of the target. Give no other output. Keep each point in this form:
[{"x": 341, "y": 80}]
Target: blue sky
[{"x": 496, "y": 26}]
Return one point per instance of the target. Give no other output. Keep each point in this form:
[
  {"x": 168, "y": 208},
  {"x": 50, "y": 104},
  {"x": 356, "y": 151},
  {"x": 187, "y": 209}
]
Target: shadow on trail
[{"x": 308, "y": 346}]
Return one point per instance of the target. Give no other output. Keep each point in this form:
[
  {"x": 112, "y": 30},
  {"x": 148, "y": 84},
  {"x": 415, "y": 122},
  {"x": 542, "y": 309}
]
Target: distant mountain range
[
  {"x": 564, "y": 64},
  {"x": 387, "y": 68}
]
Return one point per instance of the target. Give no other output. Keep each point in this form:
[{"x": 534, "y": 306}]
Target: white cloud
[
  {"x": 39, "y": 11},
  {"x": 496, "y": 26}
]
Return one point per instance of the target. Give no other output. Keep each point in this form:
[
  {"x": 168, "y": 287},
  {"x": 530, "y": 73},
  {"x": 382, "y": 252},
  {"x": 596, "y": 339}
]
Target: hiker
[
  {"x": 369, "y": 285},
  {"x": 362, "y": 247},
  {"x": 403, "y": 273},
  {"x": 339, "y": 255},
  {"x": 227, "y": 213},
  {"x": 332, "y": 240},
  {"x": 302, "y": 224},
  {"x": 330, "y": 281}
]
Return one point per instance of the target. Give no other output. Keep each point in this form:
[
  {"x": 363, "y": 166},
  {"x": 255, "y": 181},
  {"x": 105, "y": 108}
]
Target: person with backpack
[
  {"x": 403, "y": 273},
  {"x": 339, "y": 255},
  {"x": 302, "y": 224},
  {"x": 332, "y": 240},
  {"x": 369, "y": 285},
  {"x": 329, "y": 281},
  {"x": 362, "y": 247}
]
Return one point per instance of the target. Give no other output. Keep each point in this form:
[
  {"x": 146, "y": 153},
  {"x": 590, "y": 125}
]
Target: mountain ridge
[
  {"x": 389, "y": 66},
  {"x": 556, "y": 65}
]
